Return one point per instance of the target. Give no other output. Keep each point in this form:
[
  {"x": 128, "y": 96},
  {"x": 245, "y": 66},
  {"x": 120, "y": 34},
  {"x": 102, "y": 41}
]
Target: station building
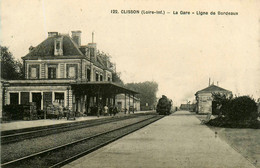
[
  {"x": 60, "y": 70},
  {"x": 205, "y": 100}
]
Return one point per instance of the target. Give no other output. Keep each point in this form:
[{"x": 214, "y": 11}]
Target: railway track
[
  {"x": 63, "y": 154},
  {"x": 12, "y": 136}
]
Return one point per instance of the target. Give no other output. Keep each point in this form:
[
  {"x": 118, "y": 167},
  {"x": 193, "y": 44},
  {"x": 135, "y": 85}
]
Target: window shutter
[
  {"x": 30, "y": 72},
  {"x": 38, "y": 72}
]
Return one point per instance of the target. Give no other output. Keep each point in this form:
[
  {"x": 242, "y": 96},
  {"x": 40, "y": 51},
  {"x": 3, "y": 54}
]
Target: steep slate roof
[
  {"x": 101, "y": 63},
  {"x": 46, "y": 49},
  {"x": 211, "y": 89}
]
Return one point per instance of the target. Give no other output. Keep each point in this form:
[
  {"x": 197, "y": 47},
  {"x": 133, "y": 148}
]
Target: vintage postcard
[{"x": 120, "y": 83}]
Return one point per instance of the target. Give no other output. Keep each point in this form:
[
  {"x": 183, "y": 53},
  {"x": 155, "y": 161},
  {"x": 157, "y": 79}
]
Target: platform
[
  {"x": 13, "y": 125},
  {"x": 176, "y": 141}
]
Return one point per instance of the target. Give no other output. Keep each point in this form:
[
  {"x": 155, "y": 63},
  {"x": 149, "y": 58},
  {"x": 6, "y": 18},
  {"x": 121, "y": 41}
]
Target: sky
[{"x": 179, "y": 52}]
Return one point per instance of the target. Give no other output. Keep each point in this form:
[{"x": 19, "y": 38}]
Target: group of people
[{"x": 113, "y": 110}]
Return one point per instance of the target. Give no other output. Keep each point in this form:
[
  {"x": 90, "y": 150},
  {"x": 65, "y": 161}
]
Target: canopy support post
[
  {"x": 98, "y": 102},
  {"x": 133, "y": 103},
  {"x": 129, "y": 103},
  {"x": 125, "y": 103}
]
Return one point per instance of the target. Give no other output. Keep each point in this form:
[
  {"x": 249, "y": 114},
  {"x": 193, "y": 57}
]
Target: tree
[
  {"x": 107, "y": 61},
  {"x": 10, "y": 68},
  {"x": 116, "y": 78},
  {"x": 237, "y": 108},
  {"x": 147, "y": 92},
  {"x": 222, "y": 102},
  {"x": 242, "y": 108}
]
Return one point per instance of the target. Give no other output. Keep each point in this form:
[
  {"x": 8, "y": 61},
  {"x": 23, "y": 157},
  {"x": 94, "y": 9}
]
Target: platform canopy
[{"x": 106, "y": 88}]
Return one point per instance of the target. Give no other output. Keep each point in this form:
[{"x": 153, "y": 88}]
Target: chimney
[
  {"x": 92, "y": 37},
  {"x": 92, "y": 51},
  {"x": 106, "y": 60},
  {"x": 209, "y": 81},
  {"x": 31, "y": 48},
  {"x": 108, "y": 63},
  {"x": 52, "y": 34},
  {"x": 76, "y": 36}
]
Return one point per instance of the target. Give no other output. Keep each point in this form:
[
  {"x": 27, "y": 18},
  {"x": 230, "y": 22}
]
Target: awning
[{"x": 102, "y": 87}]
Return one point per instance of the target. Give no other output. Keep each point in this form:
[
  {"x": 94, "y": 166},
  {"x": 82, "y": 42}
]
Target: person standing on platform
[
  {"x": 110, "y": 110},
  {"x": 105, "y": 110},
  {"x": 115, "y": 110},
  {"x": 97, "y": 110}
]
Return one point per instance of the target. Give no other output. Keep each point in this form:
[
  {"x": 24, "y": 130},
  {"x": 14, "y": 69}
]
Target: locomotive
[{"x": 164, "y": 106}]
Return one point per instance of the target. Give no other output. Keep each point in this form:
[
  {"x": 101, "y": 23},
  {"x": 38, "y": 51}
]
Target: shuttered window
[
  {"x": 72, "y": 71},
  {"x": 52, "y": 70},
  {"x": 34, "y": 71}
]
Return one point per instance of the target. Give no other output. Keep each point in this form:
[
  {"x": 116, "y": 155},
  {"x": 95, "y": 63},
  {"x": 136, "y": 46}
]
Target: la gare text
[{"x": 162, "y": 12}]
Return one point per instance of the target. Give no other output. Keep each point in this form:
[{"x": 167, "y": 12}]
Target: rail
[{"x": 77, "y": 148}]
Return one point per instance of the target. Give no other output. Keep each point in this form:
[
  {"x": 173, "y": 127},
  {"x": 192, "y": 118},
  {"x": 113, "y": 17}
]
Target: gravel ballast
[{"x": 27, "y": 147}]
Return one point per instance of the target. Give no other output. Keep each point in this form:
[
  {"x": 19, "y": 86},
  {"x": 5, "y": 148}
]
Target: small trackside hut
[{"x": 205, "y": 103}]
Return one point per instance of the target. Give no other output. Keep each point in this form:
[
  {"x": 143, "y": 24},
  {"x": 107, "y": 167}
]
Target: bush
[
  {"x": 242, "y": 108},
  {"x": 224, "y": 122},
  {"x": 13, "y": 112},
  {"x": 224, "y": 102}
]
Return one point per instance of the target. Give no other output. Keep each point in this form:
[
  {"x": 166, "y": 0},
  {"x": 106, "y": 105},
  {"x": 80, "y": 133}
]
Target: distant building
[
  {"x": 205, "y": 100},
  {"x": 188, "y": 107},
  {"x": 125, "y": 102},
  {"x": 184, "y": 107}
]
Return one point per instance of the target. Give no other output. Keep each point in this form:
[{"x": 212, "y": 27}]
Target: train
[{"x": 164, "y": 106}]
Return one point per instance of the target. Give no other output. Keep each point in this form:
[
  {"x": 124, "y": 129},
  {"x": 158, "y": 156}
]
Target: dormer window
[
  {"x": 57, "y": 45},
  {"x": 88, "y": 74},
  {"x": 58, "y": 50},
  {"x": 97, "y": 76},
  {"x": 92, "y": 52},
  {"x": 88, "y": 53}
]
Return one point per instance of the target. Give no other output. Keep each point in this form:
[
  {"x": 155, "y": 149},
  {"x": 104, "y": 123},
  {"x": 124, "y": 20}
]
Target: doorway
[
  {"x": 37, "y": 98},
  {"x": 14, "y": 98}
]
